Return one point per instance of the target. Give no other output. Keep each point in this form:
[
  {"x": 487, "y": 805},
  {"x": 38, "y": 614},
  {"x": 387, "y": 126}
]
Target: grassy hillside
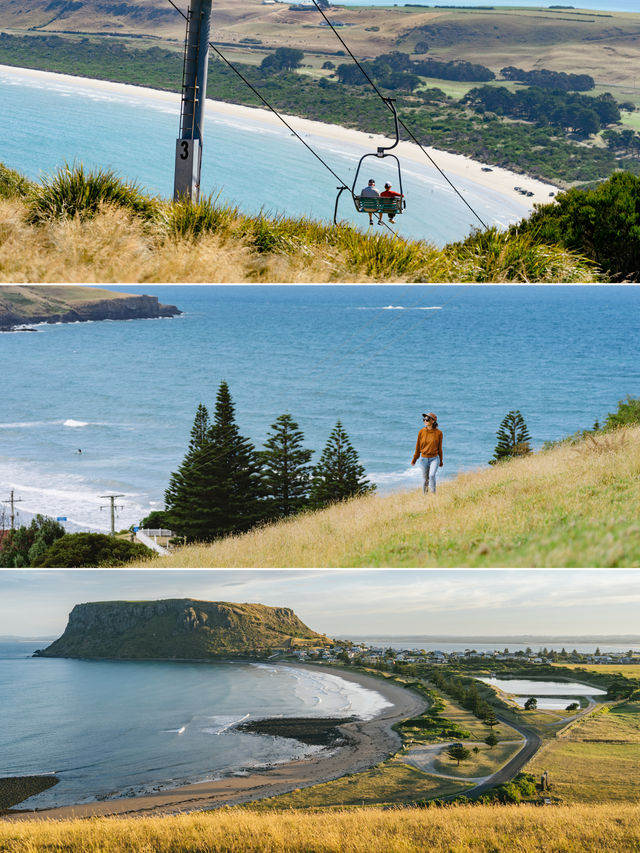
[
  {"x": 94, "y": 227},
  {"x": 468, "y": 829},
  {"x": 573, "y": 505},
  {"x": 595, "y": 759},
  {"x": 35, "y": 301}
]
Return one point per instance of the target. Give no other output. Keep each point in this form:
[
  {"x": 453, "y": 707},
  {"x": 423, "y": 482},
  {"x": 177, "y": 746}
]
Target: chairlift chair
[{"x": 365, "y": 204}]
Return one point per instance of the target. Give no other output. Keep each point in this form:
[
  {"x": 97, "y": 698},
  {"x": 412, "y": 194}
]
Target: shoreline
[
  {"x": 499, "y": 180},
  {"x": 369, "y": 742}
]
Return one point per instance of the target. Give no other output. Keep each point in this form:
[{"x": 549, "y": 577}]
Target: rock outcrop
[
  {"x": 29, "y": 304},
  {"x": 179, "y": 628}
]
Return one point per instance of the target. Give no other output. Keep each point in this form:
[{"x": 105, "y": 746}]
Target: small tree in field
[
  {"x": 286, "y": 469},
  {"x": 338, "y": 475},
  {"x": 513, "y": 438},
  {"x": 531, "y": 704},
  {"x": 491, "y": 739},
  {"x": 458, "y": 752}
]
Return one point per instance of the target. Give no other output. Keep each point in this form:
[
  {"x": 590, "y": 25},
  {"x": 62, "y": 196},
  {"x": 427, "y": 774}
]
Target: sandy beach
[
  {"x": 370, "y": 741},
  {"x": 455, "y": 166}
]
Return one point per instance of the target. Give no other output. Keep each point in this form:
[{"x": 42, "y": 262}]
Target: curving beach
[
  {"x": 369, "y": 741},
  {"x": 497, "y": 181}
]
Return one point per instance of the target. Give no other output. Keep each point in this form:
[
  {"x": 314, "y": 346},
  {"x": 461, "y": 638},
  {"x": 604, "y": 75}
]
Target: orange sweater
[{"x": 429, "y": 444}]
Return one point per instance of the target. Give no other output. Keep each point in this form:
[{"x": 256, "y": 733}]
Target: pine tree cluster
[{"x": 224, "y": 485}]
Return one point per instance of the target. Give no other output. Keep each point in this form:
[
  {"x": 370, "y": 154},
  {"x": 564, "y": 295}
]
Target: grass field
[
  {"x": 629, "y": 671},
  {"x": 574, "y": 505},
  {"x": 486, "y": 762},
  {"x": 390, "y": 782},
  {"x": 461, "y": 829},
  {"x": 595, "y": 759}
]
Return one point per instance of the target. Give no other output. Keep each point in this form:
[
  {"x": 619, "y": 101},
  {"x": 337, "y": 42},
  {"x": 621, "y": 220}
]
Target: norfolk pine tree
[
  {"x": 338, "y": 475},
  {"x": 286, "y": 469},
  {"x": 226, "y": 477},
  {"x": 513, "y": 438},
  {"x": 177, "y": 496},
  {"x": 217, "y": 488}
]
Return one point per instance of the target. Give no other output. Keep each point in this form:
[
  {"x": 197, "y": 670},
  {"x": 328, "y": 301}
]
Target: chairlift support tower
[{"x": 194, "y": 92}]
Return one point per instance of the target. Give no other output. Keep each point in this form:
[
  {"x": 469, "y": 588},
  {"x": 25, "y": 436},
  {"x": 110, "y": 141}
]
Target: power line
[
  {"x": 13, "y": 501},
  {"x": 404, "y": 126},
  {"x": 113, "y": 508},
  {"x": 278, "y": 115}
]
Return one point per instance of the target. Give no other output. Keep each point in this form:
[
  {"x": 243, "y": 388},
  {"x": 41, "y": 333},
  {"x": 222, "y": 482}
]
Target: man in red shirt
[{"x": 388, "y": 193}]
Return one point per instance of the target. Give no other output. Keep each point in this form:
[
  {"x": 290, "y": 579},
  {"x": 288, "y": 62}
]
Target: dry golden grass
[
  {"x": 564, "y": 507},
  {"x": 463, "y": 829},
  {"x": 116, "y": 245}
]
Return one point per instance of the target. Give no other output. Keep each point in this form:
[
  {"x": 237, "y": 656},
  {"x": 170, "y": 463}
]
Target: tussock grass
[
  {"x": 460, "y": 829},
  {"x": 59, "y": 230},
  {"x": 564, "y": 507},
  {"x": 71, "y": 191}
]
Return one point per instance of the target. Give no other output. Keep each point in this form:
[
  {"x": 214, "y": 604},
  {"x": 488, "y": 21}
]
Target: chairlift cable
[
  {"x": 385, "y": 100},
  {"x": 274, "y": 111}
]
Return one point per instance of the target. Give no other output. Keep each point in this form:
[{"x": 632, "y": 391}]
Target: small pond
[{"x": 533, "y": 687}]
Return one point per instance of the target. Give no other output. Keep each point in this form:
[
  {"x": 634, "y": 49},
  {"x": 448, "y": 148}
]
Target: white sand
[{"x": 501, "y": 181}]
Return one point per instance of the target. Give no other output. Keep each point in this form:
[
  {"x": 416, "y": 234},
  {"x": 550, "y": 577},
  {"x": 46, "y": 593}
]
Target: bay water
[
  {"x": 374, "y": 357},
  {"x": 120, "y": 728},
  {"x": 50, "y": 120}
]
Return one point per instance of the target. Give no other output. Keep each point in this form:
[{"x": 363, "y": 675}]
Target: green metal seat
[{"x": 390, "y": 204}]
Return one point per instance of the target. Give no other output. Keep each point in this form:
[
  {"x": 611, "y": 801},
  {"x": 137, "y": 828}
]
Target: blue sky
[{"x": 483, "y": 602}]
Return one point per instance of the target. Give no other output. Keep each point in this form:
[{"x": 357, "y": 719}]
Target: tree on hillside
[
  {"x": 219, "y": 491},
  {"x": 178, "y": 495},
  {"x": 490, "y": 718},
  {"x": 491, "y": 740},
  {"x": 531, "y": 704},
  {"x": 20, "y": 548},
  {"x": 338, "y": 475},
  {"x": 458, "y": 752},
  {"x": 282, "y": 59},
  {"x": 286, "y": 469},
  {"x": 513, "y": 438}
]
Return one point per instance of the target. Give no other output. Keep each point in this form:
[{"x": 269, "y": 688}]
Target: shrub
[
  {"x": 628, "y": 413},
  {"x": 12, "y": 183},
  {"x": 72, "y": 191},
  {"x": 603, "y": 224},
  {"x": 91, "y": 550}
]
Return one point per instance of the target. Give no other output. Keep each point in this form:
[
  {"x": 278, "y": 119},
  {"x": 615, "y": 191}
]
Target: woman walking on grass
[{"x": 429, "y": 451}]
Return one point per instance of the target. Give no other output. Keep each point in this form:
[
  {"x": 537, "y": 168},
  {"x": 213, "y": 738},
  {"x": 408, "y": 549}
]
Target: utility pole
[
  {"x": 13, "y": 501},
  {"x": 113, "y": 507},
  {"x": 194, "y": 92}
]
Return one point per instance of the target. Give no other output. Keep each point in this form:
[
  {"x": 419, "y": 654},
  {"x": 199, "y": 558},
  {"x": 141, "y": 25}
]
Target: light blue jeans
[{"x": 429, "y": 466}]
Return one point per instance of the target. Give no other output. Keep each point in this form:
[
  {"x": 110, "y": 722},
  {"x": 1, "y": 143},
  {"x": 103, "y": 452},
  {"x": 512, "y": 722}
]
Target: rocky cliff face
[
  {"x": 21, "y": 305},
  {"x": 178, "y": 628}
]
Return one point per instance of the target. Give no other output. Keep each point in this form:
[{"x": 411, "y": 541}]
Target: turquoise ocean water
[
  {"x": 119, "y": 728},
  {"x": 125, "y": 393},
  {"x": 50, "y": 121}
]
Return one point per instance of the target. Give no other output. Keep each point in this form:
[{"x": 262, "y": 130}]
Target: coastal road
[{"x": 532, "y": 743}]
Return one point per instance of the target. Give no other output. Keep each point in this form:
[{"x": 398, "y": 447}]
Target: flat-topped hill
[
  {"x": 21, "y": 304},
  {"x": 178, "y": 628}
]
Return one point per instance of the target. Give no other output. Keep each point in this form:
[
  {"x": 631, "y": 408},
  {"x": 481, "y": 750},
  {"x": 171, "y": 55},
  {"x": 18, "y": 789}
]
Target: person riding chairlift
[
  {"x": 388, "y": 193},
  {"x": 370, "y": 191}
]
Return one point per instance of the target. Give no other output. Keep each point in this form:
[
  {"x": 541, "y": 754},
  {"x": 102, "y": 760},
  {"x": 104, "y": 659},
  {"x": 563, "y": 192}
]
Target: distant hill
[
  {"x": 179, "y": 628},
  {"x": 21, "y": 304}
]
